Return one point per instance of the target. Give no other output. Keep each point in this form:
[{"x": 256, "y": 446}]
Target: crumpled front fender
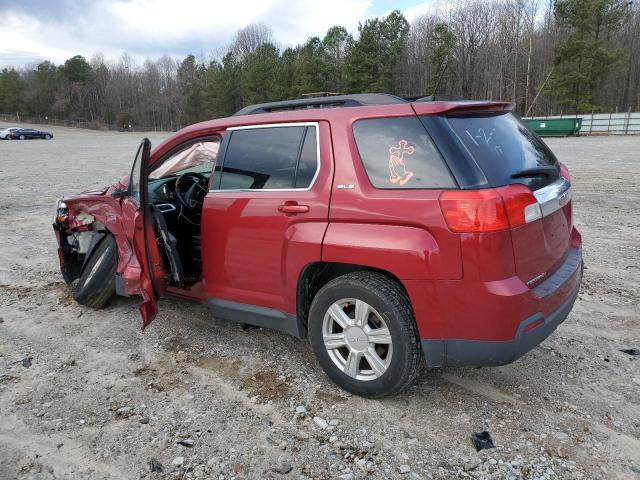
[{"x": 97, "y": 210}]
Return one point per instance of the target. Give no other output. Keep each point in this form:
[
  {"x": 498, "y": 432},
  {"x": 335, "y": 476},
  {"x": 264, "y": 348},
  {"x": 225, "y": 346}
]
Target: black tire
[
  {"x": 97, "y": 282},
  {"x": 47, "y": 137},
  {"x": 390, "y": 300},
  {"x": 22, "y": 137}
]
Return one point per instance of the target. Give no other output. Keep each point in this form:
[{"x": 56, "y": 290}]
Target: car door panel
[
  {"x": 140, "y": 226},
  {"x": 256, "y": 242}
]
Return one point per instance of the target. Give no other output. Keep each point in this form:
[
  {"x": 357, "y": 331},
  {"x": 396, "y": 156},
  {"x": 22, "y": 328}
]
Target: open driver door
[{"x": 153, "y": 244}]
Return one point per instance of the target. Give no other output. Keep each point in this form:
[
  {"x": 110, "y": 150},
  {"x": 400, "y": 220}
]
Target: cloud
[
  {"x": 32, "y": 30},
  {"x": 432, "y": 7}
]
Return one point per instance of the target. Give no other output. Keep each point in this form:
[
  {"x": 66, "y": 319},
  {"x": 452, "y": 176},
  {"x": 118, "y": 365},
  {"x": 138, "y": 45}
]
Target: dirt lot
[{"x": 194, "y": 397}]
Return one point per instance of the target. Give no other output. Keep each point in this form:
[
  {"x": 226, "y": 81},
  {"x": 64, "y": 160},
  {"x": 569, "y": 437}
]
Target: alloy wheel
[{"x": 357, "y": 339}]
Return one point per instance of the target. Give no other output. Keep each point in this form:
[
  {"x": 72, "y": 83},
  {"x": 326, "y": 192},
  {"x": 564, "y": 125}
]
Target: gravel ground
[{"x": 194, "y": 397}]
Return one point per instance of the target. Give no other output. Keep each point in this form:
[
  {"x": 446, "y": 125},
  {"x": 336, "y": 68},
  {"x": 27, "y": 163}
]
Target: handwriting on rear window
[{"x": 482, "y": 139}]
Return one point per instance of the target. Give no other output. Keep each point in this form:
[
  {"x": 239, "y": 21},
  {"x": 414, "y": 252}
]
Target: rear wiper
[{"x": 543, "y": 170}]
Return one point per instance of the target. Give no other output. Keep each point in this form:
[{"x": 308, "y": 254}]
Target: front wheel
[
  {"x": 47, "y": 137},
  {"x": 22, "y": 137},
  {"x": 363, "y": 333},
  {"x": 97, "y": 282}
]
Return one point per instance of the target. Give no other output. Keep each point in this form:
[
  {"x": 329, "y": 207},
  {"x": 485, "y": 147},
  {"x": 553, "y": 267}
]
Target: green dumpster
[{"x": 555, "y": 127}]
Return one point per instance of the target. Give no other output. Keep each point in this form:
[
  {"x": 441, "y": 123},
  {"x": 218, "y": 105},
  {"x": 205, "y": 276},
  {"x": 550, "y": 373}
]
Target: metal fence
[
  {"x": 592, "y": 124},
  {"x": 92, "y": 125},
  {"x": 605, "y": 123}
]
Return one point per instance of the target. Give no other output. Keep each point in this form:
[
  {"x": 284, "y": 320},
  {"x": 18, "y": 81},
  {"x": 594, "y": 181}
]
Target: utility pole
[{"x": 526, "y": 90}]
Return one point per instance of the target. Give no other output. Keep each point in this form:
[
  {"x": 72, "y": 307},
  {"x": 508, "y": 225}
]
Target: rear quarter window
[
  {"x": 502, "y": 146},
  {"x": 397, "y": 153}
]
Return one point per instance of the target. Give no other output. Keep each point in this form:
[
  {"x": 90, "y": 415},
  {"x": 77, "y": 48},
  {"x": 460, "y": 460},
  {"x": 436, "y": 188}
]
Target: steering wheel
[{"x": 191, "y": 188}]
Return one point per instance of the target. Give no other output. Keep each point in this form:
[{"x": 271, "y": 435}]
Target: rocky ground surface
[{"x": 84, "y": 394}]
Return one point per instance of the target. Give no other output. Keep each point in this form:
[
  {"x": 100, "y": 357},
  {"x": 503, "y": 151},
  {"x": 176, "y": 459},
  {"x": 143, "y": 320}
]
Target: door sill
[{"x": 258, "y": 316}]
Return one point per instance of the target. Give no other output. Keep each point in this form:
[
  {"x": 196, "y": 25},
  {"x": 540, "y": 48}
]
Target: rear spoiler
[{"x": 460, "y": 108}]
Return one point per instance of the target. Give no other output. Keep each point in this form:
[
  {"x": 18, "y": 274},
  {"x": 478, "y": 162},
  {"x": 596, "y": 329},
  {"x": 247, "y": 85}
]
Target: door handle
[{"x": 292, "y": 208}]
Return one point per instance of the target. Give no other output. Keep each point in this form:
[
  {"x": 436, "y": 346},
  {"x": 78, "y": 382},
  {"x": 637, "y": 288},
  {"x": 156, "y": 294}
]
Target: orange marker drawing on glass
[{"x": 397, "y": 168}]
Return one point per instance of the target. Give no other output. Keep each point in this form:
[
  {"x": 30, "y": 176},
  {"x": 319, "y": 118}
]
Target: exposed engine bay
[{"x": 175, "y": 194}]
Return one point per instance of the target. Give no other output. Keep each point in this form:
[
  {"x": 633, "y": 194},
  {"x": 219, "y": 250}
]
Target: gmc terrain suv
[{"x": 386, "y": 231}]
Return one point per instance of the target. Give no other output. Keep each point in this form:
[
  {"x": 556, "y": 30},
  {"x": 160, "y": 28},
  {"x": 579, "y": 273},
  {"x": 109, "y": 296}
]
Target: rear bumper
[{"x": 530, "y": 332}]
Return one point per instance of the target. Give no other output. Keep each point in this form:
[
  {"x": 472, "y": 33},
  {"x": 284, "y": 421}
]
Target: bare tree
[
  {"x": 478, "y": 49},
  {"x": 249, "y": 38}
]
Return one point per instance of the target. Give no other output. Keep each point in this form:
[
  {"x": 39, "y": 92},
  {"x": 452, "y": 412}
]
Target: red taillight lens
[
  {"x": 522, "y": 207},
  {"x": 474, "y": 210},
  {"x": 489, "y": 210},
  {"x": 564, "y": 172}
]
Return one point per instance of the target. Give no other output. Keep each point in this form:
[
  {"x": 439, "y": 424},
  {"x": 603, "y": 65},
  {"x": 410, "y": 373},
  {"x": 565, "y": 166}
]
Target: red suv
[{"x": 386, "y": 230}]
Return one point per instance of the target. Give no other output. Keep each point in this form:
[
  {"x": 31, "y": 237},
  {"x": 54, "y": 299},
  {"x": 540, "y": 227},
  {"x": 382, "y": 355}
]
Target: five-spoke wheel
[
  {"x": 357, "y": 339},
  {"x": 363, "y": 332}
]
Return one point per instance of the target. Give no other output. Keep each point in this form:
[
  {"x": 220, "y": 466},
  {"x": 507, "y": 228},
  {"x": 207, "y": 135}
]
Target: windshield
[
  {"x": 503, "y": 147},
  {"x": 199, "y": 157}
]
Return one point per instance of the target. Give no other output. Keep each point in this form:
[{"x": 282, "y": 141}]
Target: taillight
[
  {"x": 489, "y": 210},
  {"x": 522, "y": 207},
  {"x": 474, "y": 210},
  {"x": 564, "y": 172}
]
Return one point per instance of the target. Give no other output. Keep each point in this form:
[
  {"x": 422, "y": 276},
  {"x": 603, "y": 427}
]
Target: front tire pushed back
[
  {"x": 387, "y": 337},
  {"x": 97, "y": 282}
]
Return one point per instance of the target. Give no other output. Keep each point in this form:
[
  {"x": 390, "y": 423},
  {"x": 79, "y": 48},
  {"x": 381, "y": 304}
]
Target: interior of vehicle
[{"x": 177, "y": 187}]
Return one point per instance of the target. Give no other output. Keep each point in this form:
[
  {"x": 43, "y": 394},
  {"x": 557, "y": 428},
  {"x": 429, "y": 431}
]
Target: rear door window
[
  {"x": 503, "y": 147},
  {"x": 398, "y": 153},
  {"x": 270, "y": 158}
]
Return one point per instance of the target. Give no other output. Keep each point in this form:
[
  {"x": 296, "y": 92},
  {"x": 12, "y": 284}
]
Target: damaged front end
[
  {"x": 81, "y": 222},
  {"x": 77, "y": 237}
]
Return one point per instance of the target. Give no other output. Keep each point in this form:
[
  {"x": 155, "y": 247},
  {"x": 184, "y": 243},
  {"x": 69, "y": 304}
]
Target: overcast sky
[{"x": 35, "y": 30}]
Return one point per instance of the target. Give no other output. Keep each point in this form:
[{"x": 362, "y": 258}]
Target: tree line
[{"x": 546, "y": 56}]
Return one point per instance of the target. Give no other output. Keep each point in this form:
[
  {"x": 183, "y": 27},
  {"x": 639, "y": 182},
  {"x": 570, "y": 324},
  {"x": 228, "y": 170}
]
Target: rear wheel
[
  {"x": 22, "y": 137},
  {"x": 97, "y": 283},
  {"x": 363, "y": 333}
]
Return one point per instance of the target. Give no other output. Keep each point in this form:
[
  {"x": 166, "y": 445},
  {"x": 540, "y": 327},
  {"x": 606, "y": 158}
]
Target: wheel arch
[
  {"x": 317, "y": 274},
  {"x": 75, "y": 260}
]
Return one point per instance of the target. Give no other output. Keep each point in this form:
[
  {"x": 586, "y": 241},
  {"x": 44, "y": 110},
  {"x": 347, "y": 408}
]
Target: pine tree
[
  {"x": 259, "y": 75},
  {"x": 374, "y": 59},
  {"x": 587, "y": 54},
  {"x": 311, "y": 68},
  {"x": 222, "y": 95},
  {"x": 440, "y": 45},
  {"x": 191, "y": 78},
  {"x": 11, "y": 88},
  {"x": 336, "y": 48}
]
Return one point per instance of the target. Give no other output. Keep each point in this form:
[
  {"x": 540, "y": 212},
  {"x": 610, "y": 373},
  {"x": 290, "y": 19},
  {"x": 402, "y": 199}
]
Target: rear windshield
[{"x": 503, "y": 147}]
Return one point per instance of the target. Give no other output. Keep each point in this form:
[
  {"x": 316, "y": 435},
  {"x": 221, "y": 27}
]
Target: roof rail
[
  {"x": 355, "y": 100},
  {"x": 320, "y": 94},
  {"x": 440, "y": 98}
]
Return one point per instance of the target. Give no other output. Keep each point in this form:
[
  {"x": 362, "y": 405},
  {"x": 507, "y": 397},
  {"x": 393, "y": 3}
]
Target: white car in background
[{"x": 4, "y": 132}]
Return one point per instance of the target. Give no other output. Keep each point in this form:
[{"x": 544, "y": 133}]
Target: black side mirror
[{"x": 117, "y": 193}]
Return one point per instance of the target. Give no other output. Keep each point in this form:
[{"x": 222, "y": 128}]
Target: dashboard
[{"x": 163, "y": 190}]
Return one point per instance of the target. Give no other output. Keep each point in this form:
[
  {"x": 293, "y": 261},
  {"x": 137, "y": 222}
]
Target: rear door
[
  {"x": 508, "y": 152},
  {"x": 137, "y": 212},
  {"x": 266, "y": 213}
]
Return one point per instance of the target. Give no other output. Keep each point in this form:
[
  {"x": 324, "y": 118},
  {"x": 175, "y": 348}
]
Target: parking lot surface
[{"x": 195, "y": 397}]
